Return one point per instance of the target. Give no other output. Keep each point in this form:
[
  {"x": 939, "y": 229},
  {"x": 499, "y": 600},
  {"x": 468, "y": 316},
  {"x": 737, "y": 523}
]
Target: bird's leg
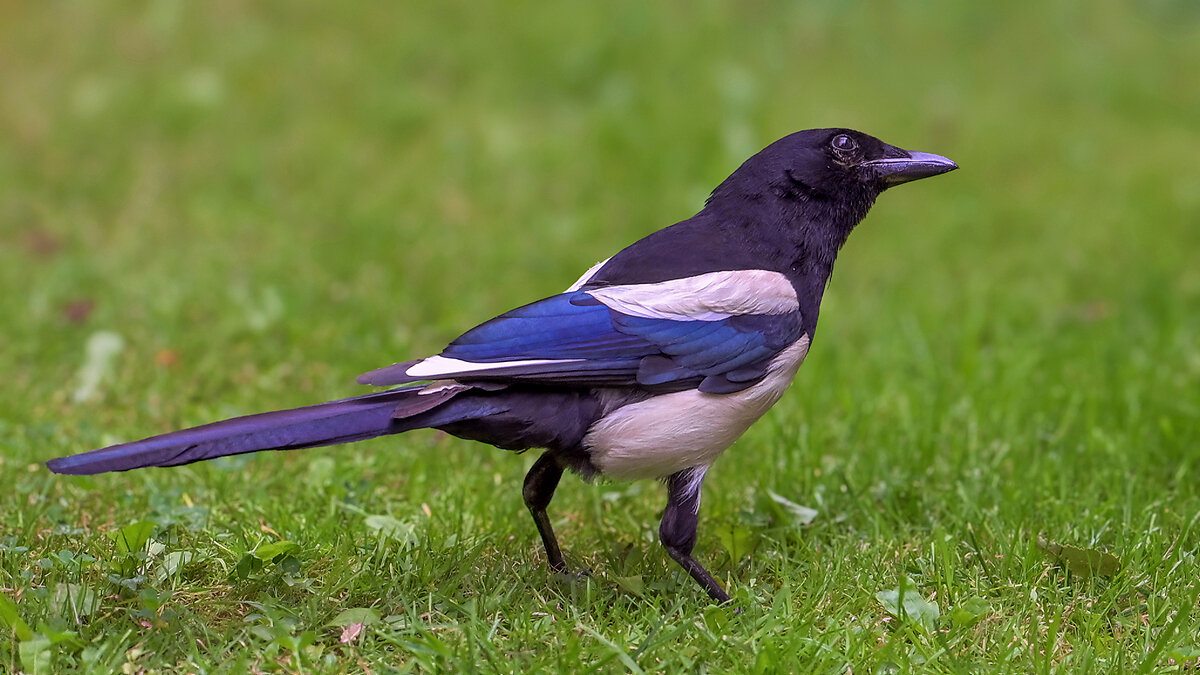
[
  {"x": 678, "y": 529},
  {"x": 540, "y": 483}
]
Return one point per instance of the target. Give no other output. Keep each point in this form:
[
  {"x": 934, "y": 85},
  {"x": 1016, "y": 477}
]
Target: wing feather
[{"x": 578, "y": 339}]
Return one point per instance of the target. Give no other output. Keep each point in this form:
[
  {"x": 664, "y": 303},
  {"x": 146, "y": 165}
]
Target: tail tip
[
  {"x": 71, "y": 465},
  {"x": 58, "y": 465}
]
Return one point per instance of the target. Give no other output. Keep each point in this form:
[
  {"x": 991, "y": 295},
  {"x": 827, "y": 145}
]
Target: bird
[{"x": 649, "y": 366}]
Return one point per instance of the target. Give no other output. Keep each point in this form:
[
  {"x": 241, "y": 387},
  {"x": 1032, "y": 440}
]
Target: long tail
[{"x": 350, "y": 419}]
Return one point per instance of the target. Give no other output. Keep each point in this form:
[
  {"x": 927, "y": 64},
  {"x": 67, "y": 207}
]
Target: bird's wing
[{"x": 716, "y": 331}]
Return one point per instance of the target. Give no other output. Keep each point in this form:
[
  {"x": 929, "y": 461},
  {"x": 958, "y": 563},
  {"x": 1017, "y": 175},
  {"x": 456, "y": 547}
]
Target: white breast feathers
[{"x": 663, "y": 434}]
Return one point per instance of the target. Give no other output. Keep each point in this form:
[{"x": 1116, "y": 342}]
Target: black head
[
  {"x": 797, "y": 200},
  {"x": 829, "y": 165}
]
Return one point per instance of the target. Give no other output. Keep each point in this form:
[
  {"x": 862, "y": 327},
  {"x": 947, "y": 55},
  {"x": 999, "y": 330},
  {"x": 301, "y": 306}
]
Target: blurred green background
[{"x": 251, "y": 203}]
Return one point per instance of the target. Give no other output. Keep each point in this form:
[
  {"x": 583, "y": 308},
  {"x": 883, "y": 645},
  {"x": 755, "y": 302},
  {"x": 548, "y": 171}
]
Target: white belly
[{"x": 664, "y": 434}]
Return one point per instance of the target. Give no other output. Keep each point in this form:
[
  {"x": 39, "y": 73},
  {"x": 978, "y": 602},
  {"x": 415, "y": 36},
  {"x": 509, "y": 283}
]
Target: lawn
[{"x": 989, "y": 462}]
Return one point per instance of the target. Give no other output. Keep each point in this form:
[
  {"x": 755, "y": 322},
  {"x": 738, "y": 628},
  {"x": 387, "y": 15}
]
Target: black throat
[{"x": 794, "y": 231}]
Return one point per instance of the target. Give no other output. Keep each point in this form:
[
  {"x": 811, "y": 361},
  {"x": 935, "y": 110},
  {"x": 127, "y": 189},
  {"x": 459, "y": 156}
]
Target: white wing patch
[
  {"x": 586, "y": 276},
  {"x": 438, "y": 367},
  {"x": 705, "y": 297}
]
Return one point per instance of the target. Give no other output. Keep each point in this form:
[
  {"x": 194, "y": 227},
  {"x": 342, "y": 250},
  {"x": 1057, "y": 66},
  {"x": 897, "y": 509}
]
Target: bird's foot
[{"x": 569, "y": 575}]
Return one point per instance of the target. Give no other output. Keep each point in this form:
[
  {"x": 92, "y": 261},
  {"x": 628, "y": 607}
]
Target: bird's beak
[{"x": 914, "y": 165}]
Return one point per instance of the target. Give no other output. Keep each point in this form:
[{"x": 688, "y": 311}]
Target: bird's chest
[{"x": 658, "y": 436}]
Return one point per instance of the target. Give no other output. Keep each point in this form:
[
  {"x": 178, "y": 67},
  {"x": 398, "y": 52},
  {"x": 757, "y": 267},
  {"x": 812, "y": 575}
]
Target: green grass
[{"x": 264, "y": 200}]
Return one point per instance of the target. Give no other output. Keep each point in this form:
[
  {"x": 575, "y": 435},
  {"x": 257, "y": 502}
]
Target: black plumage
[{"x": 648, "y": 367}]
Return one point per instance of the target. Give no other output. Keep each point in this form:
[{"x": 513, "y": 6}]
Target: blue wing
[{"x": 574, "y": 339}]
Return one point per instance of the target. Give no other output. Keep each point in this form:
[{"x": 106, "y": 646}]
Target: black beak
[{"x": 896, "y": 170}]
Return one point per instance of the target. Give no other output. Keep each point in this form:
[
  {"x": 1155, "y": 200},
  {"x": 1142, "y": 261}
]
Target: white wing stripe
[
  {"x": 705, "y": 297},
  {"x": 436, "y": 367}
]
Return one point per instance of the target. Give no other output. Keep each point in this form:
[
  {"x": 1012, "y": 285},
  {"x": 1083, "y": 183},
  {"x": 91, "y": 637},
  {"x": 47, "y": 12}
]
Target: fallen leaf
[
  {"x": 391, "y": 528},
  {"x": 74, "y": 600},
  {"x": 363, "y": 616},
  {"x": 275, "y": 550},
  {"x": 1082, "y": 562},
  {"x": 172, "y": 563},
  {"x": 800, "y": 515}
]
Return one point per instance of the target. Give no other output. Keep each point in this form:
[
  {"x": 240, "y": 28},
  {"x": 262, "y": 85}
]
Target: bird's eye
[{"x": 844, "y": 143}]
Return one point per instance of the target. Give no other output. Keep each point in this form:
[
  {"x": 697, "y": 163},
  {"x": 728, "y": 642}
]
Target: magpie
[{"x": 649, "y": 366}]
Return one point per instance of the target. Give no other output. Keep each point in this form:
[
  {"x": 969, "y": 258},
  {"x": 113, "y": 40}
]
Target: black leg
[
  {"x": 540, "y": 483},
  {"x": 678, "y": 529}
]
